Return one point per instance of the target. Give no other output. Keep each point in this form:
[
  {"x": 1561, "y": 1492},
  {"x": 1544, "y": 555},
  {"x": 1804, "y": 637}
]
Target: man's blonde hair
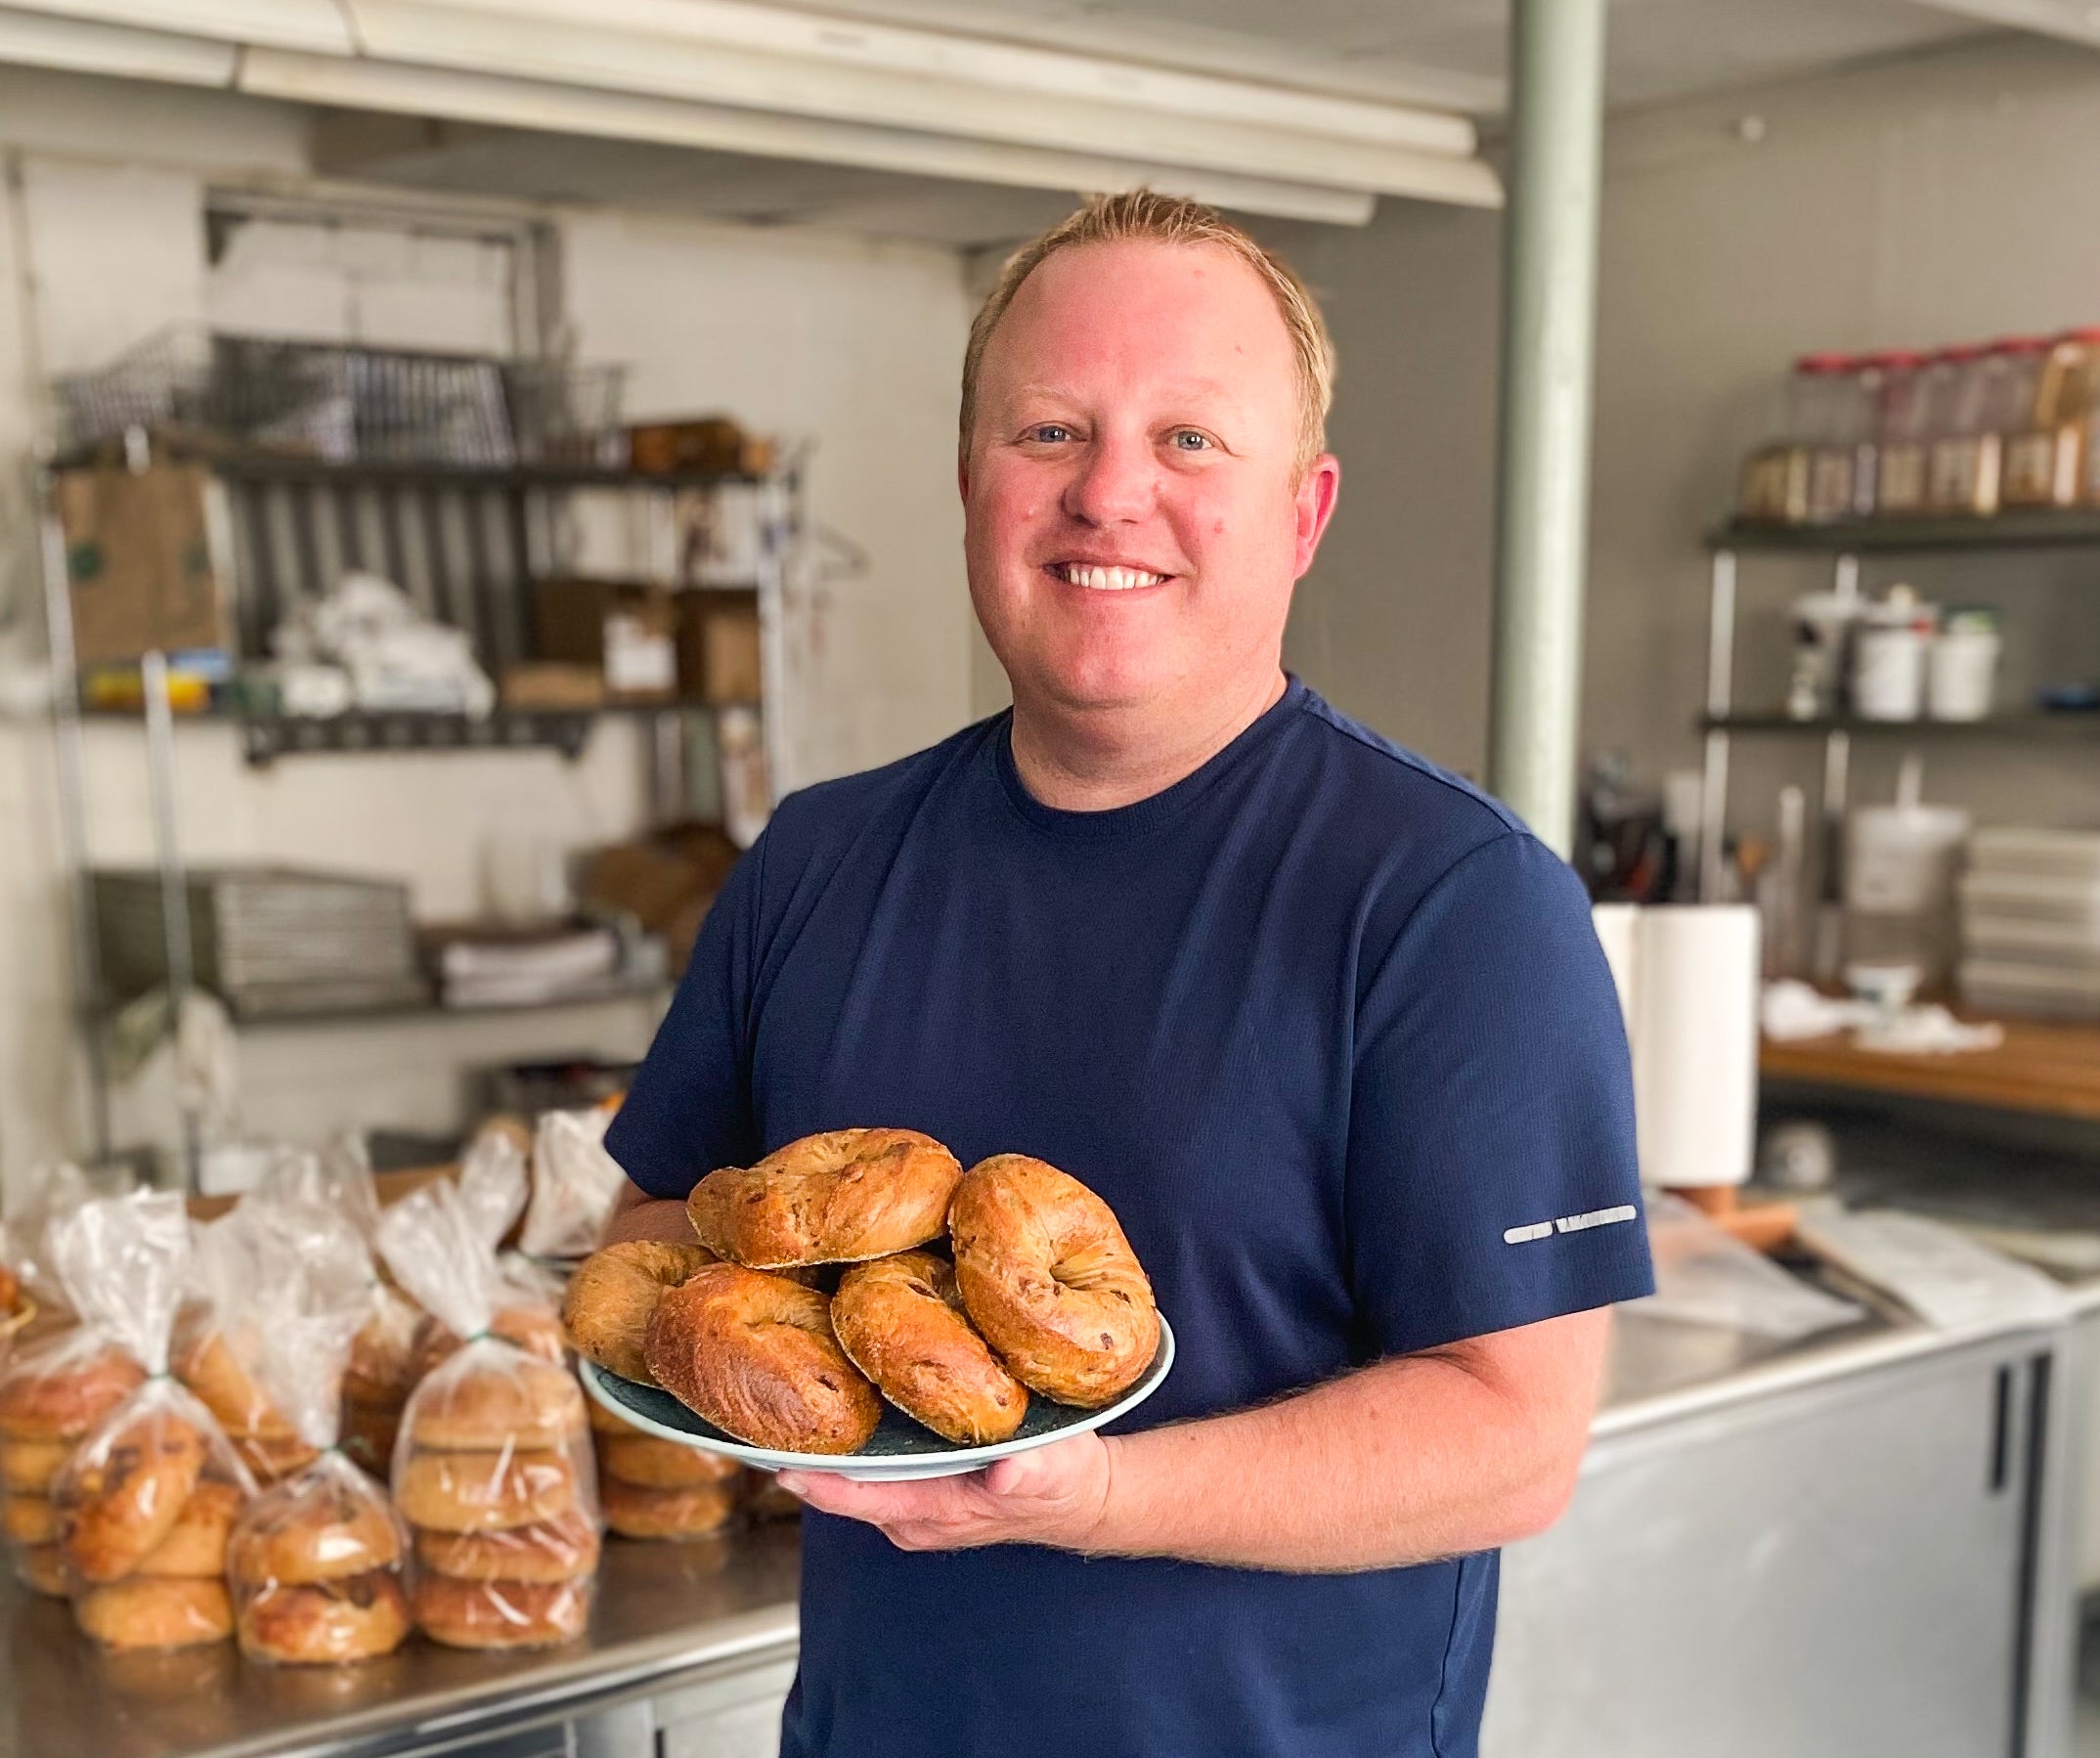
[{"x": 1147, "y": 215}]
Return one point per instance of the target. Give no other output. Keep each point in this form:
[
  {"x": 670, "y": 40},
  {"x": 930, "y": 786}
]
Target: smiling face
[{"x": 1135, "y": 517}]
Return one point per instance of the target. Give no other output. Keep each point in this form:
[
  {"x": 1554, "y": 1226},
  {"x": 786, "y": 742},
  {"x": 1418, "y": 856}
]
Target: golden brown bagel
[
  {"x": 196, "y": 1547},
  {"x": 500, "y": 1614},
  {"x": 320, "y": 1530},
  {"x": 30, "y": 1519},
  {"x": 27, "y": 1466},
  {"x": 613, "y": 1295},
  {"x": 837, "y": 1197},
  {"x": 116, "y": 1505},
  {"x": 534, "y": 1329},
  {"x": 697, "y": 1512},
  {"x": 754, "y": 1355},
  {"x": 65, "y": 1398},
  {"x": 648, "y": 1462},
  {"x": 564, "y": 1549},
  {"x": 169, "y": 1613},
  {"x": 352, "y": 1619},
  {"x": 484, "y": 1492},
  {"x": 902, "y": 1323},
  {"x": 212, "y": 1367},
  {"x": 506, "y": 1401},
  {"x": 1047, "y": 1276}
]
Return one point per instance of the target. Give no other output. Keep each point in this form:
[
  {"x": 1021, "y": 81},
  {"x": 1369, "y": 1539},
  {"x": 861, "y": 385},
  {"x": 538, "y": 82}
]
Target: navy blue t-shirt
[{"x": 1331, "y": 1033}]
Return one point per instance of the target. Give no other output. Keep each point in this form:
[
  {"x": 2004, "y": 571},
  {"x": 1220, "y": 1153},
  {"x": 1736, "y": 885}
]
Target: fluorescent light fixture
[{"x": 736, "y": 77}]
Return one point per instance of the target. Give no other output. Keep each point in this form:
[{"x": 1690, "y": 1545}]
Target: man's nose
[{"x": 1116, "y": 482}]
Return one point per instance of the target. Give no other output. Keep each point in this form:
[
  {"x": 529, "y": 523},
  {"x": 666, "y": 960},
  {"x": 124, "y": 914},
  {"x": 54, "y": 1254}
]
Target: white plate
[{"x": 899, "y": 1450}]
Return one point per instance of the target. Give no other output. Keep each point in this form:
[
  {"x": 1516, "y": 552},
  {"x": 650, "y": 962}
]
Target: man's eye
[
  {"x": 1049, "y": 433},
  {"x": 1188, "y": 439}
]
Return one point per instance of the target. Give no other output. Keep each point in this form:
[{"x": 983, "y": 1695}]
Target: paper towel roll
[
  {"x": 1695, "y": 971},
  {"x": 1618, "y": 932}
]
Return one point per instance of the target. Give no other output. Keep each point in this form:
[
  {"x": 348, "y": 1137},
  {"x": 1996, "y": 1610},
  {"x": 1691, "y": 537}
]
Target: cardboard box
[
  {"x": 626, "y": 631},
  {"x": 144, "y": 571},
  {"x": 718, "y": 653},
  {"x": 704, "y": 445},
  {"x": 548, "y": 683}
]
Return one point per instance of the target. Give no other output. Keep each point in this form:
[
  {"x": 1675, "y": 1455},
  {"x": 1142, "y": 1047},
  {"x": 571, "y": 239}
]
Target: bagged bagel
[
  {"x": 317, "y": 1565},
  {"x": 141, "y": 1511},
  {"x": 656, "y": 1490},
  {"x": 492, "y": 1471}
]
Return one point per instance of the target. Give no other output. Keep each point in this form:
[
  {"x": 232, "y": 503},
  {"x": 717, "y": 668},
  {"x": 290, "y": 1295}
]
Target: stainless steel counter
[{"x": 665, "y": 1615}]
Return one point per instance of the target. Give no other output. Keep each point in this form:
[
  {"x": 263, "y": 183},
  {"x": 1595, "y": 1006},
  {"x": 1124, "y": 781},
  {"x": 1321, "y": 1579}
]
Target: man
[{"x": 1326, "y": 1027}]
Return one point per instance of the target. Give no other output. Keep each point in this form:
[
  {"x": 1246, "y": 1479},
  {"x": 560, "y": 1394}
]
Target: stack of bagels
[
  {"x": 144, "y": 1512},
  {"x": 48, "y": 1403},
  {"x": 217, "y": 1365},
  {"x": 317, "y": 1568},
  {"x": 494, "y": 1476},
  {"x": 1037, "y": 1291}
]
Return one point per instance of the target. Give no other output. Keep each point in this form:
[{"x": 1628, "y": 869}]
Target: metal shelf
[
  {"x": 267, "y": 737},
  {"x": 2065, "y": 528},
  {"x": 2037, "y": 729},
  {"x": 618, "y": 990},
  {"x": 291, "y": 467}
]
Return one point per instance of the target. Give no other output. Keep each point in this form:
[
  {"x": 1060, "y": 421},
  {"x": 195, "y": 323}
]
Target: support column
[{"x": 1557, "y": 92}]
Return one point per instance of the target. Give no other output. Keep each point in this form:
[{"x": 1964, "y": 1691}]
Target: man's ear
[{"x": 1318, "y": 490}]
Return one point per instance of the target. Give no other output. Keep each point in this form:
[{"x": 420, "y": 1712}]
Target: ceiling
[{"x": 1448, "y": 54}]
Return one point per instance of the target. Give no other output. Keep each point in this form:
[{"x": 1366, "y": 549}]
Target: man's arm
[
  {"x": 635, "y": 1214},
  {"x": 1453, "y": 1450}
]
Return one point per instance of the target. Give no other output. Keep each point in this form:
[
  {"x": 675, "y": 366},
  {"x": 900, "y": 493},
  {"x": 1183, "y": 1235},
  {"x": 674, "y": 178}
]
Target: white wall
[
  {"x": 831, "y": 338},
  {"x": 1925, "y": 202}
]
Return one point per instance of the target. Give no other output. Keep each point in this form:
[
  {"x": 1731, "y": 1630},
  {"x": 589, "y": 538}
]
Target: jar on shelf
[
  {"x": 2044, "y": 460},
  {"x": 1965, "y": 454},
  {"x": 1841, "y": 393},
  {"x": 1902, "y": 451},
  {"x": 2023, "y": 394},
  {"x": 1775, "y": 485}
]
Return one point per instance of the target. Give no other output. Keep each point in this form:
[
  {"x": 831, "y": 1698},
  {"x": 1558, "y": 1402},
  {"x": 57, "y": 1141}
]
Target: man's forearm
[{"x": 1421, "y": 1456}]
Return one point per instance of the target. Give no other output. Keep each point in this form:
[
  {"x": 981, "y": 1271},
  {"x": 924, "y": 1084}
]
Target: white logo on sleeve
[{"x": 1570, "y": 1224}]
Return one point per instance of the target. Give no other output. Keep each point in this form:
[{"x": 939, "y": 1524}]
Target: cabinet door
[
  {"x": 1824, "y": 1573},
  {"x": 732, "y": 1717}
]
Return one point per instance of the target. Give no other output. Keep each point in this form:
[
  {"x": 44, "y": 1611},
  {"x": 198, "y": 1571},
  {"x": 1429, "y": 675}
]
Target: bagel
[
  {"x": 326, "y": 1529},
  {"x": 41, "y": 1569},
  {"x": 30, "y": 1519},
  {"x": 166, "y": 1613},
  {"x": 213, "y": 1369},
  {"x": 63, "y": 1394},
  {"x": 122, "y": 1498},
  {"x": 556, "y": 1549},
  {"x": 500, "y": 1614},
  {"x": 841, "y": 1197},
  {"x": 382, "y": 1356},
  {"x": 754, "y": 1355},
  {"x": 484, "y": 1492},
  {"x": 27, "y": 1466},
  {"x": 196, "y": 1547},
  {"x": 613, "y": 1295},
  {"x": 648, "y": 1462},
  {"x": 490, "y": 1400},
  {"x": 902, "y": 1323},
  {"x": 369, "y": 1435},
  {"x": 353, "y": 1619},
  {"x": 1047, "y": 1276},
  {"x": 699, "y": 1510},
  {"x": 272, "y": 1461},
  {"x": 534, "y": 1329}
]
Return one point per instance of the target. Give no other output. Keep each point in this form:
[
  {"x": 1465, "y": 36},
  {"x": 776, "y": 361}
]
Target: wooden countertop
[{"x": 2047, "y": 1067}]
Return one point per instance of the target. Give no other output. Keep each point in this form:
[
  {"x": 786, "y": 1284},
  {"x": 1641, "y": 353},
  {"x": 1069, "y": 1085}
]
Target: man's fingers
[{"x": 881, "y": 1504}]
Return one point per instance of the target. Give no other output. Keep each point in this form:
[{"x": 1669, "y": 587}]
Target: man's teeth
[{"x": 1107, "y": 580}]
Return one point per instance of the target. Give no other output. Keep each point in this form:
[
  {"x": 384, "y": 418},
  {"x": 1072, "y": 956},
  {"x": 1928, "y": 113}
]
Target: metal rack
[
  {"x": 1845, "y": 543},
  {"x": 463, "y": 542}
]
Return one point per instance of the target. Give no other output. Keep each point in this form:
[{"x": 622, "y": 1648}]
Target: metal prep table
[{"x": 1855, "y": 1545}]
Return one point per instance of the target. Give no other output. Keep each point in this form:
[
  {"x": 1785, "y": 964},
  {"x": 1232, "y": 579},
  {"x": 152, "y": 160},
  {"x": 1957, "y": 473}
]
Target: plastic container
[
  {"x": 1807, "y": 419},
  {"x": 1902, "y": 865},
  {"x": 1966, "y": 449},
  {"x": 1890, "y": 656},
  {"x": 1837, "y": 424},
  {"x": 2044, "y": 460},
  {"x": 1902, "y": 463},
  {"x": 1963, "y": 666}
]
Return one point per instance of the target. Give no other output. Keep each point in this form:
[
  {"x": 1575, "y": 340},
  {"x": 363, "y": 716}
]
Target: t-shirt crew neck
[
  {"x": 1139, "y": 816},
  {"x": 1331, "y": 1033}
]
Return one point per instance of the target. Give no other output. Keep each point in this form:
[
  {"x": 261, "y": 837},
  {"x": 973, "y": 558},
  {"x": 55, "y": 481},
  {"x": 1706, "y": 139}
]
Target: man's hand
[
  {"x": 1054, "y": 1495},
  {"x": 639, "y": 1216}
]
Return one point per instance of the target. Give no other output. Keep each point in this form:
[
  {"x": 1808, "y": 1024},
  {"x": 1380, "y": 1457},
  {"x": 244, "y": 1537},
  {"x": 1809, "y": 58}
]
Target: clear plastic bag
[
  {"x": 493, "y": 1469},
  {"x": 574, "y": 1184},
  {"x": 377, "y": 1381},
  {"x": 1705, "y": 1276},
  {"x": 143, "y": 1507},
  {"x": 318, "y": 1565}
]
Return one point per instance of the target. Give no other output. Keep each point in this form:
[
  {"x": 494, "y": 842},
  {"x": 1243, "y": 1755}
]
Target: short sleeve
[
  {"x": 688, "y": 1110},
  {"x": 1493, "y": 1179}
]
